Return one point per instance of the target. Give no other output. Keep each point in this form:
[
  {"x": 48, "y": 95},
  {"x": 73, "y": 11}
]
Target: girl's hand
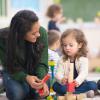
[
  {"x": 34, "y": 82},
  {"x": 64, "y": 81},
  {"x": 76, "y": 83},
  {"x": 45, "y": 90}
]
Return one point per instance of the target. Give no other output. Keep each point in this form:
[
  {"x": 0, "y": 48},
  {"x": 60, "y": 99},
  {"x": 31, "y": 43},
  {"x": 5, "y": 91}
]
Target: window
[
  {"x": 3, "y": 7},
  {"x": 25, "y": 4}
]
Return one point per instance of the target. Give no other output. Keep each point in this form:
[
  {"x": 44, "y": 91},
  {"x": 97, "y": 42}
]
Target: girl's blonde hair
[{"x": 80, "y": 38}]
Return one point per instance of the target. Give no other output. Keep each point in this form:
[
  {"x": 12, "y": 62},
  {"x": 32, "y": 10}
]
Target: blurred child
[
  {"x": 97, "y": 18},
  {"x": 54, "y": 12},
  {"x": 53, "y": 43},
  {"x": 74, "y": 47}
]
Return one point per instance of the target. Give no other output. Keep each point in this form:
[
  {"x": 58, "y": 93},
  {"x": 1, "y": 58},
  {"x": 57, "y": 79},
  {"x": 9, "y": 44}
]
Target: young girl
[
  {"x": 54, "y": 12},
  {"x": 74, "y": 47}
]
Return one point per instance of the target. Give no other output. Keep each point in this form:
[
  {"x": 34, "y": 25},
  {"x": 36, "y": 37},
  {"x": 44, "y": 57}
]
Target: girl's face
[
  {"x": 33, "y": 34},
  {"x": 70, "y": 46}
]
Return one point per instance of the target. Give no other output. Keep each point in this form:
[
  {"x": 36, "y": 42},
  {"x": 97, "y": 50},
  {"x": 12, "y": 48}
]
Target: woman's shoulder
[
  {"x": 42, "y": 30},
  {"x": 4, "y": 32},
  {"x": 43, "y": 35}
]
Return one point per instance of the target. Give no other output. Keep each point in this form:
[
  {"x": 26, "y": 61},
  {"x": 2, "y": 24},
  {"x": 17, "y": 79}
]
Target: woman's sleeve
[{"x": 42, "y": 67}]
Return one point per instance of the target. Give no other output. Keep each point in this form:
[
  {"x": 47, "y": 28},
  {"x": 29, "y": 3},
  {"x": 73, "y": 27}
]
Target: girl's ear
[{"x": 80, "y": 45}]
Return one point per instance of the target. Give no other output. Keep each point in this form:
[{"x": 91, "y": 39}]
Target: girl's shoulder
[
  {"x": 82, "y": 59},
  {"x": 61, "y": 60}
]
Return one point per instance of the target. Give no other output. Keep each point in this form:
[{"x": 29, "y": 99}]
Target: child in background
[
  {"x": 54, "y": 12},
  {"x": 53, "y": 43},
  {"x": 97, "y": 18},
  {"x": 74, "y": 47}
]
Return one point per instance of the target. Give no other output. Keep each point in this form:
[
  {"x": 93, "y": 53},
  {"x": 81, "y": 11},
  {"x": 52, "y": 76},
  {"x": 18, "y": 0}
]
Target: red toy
[
  {"x": 40, "y": 91},
  {"x": 71, "y": 87}
]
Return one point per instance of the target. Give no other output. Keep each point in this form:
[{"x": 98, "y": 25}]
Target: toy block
[
  {"x": 81, "y": 96},
  {"x": 51, "y": 63},
  {"x": 70, "y": 96},
  {"x": 61, "y": 98}
]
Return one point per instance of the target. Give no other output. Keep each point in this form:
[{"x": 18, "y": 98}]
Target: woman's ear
[{"x": 80, "y": 45}]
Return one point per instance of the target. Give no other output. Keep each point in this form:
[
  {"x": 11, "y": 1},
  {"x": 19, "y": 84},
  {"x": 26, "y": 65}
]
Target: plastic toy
[
  {"x": 52, "y": 64},
  {"x": 40, "y": 91}
]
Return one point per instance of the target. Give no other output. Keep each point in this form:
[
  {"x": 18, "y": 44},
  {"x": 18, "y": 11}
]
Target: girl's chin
[{"x": 70, "y": 55}]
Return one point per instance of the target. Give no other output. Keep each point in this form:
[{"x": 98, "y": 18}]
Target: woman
[{"x": 26, "y": 58}]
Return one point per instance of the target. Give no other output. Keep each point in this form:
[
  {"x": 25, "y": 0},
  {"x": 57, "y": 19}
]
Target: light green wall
[
  {"x": 86, "y": 9},
  {"x": 3, "y": 6}
]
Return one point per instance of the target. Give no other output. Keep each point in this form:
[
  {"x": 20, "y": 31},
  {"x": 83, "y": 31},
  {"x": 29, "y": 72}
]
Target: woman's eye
[{"x": 32, "y": 33}]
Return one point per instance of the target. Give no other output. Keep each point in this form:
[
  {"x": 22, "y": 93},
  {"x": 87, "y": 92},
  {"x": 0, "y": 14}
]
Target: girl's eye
[
  {"x": 71, "y": 45},
  {"x": 64, "y": 45}
]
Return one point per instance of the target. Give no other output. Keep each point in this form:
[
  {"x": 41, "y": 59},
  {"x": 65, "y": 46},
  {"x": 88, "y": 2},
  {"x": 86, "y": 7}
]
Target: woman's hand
[
  {"x": 34, "y": 82},
  {"x": 45, "y": 90},
  {"x": 64, "y": 81}
]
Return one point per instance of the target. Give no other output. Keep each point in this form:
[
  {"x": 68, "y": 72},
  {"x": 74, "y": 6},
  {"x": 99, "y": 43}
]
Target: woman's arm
[{"x": 42, "y": 67}]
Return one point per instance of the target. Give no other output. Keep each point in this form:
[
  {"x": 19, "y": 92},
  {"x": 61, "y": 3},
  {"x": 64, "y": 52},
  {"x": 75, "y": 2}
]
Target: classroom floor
[{"x": 95, "y": 98}]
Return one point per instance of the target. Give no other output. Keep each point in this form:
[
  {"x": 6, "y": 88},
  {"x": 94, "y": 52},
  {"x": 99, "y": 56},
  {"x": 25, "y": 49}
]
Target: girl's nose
[{"x": 67, "y": 47}]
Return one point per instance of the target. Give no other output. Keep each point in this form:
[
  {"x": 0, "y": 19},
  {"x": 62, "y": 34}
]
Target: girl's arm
[{"x": 83, "y": 70}]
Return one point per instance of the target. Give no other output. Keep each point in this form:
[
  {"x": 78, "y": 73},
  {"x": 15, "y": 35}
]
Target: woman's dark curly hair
[
  {"x": 79, "y": 37},
  {"x": 21, "y": 23}
]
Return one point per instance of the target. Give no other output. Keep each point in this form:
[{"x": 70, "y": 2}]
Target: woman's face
[{"x": 33, "y": 34}]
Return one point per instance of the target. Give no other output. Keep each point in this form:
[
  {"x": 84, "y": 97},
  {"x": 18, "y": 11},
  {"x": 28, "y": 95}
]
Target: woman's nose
[{"x": 37, "y": 34}]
